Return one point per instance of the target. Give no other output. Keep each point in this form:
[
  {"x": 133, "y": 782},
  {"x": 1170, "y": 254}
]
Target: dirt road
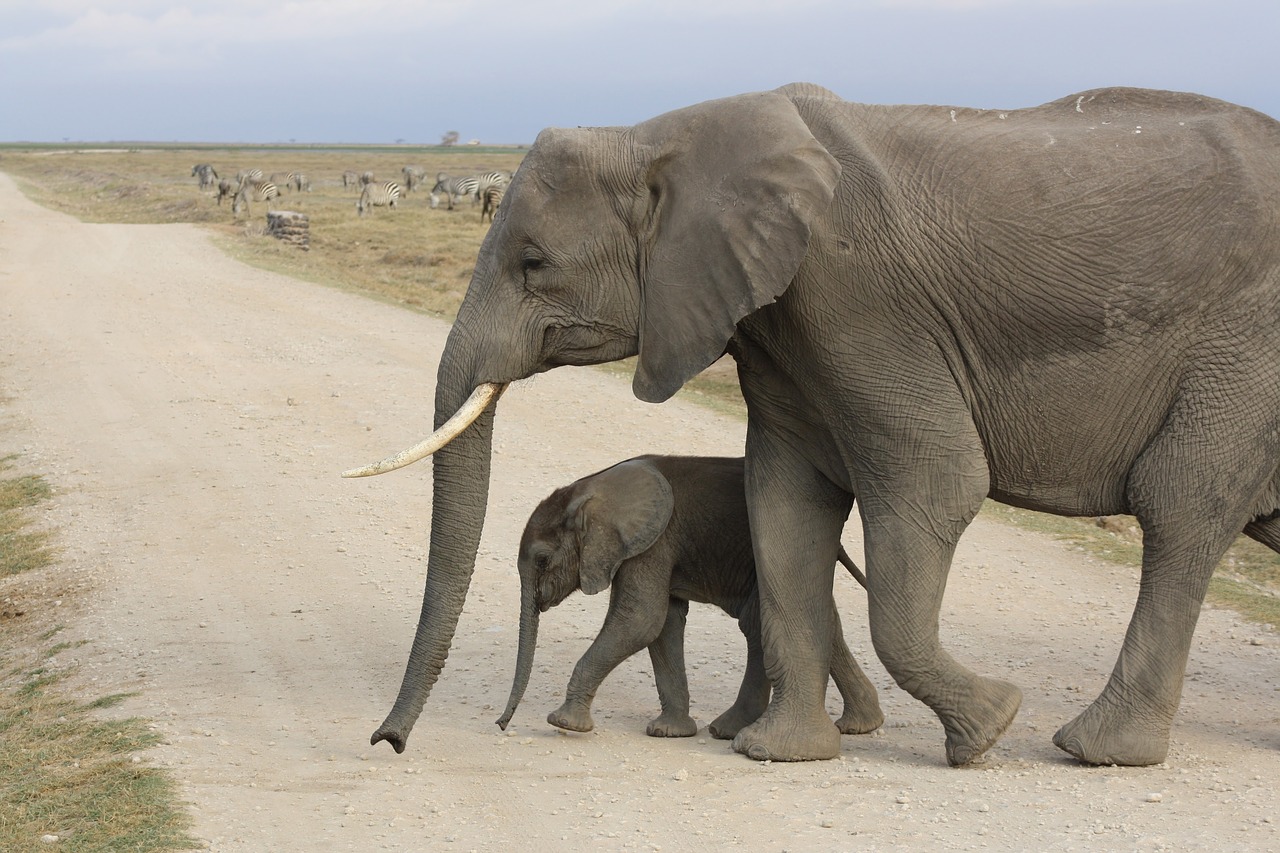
[{"x": 194, "y": 413}]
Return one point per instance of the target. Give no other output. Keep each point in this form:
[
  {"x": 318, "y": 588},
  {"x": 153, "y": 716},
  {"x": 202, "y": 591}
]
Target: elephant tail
[{"x": 845, "y": 560}]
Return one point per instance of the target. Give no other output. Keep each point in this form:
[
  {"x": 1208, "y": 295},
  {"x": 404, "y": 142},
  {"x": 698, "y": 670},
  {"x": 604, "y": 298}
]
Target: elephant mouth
[
  {"x": 549, "y": 600},
  {"x": 575, "y": 346}
]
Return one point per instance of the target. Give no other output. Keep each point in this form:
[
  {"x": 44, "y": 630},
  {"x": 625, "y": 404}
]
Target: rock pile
[{"x": 290, "y": 226}]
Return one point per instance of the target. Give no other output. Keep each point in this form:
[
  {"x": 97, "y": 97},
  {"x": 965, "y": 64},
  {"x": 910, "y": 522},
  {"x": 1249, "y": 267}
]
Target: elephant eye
[{"x": 529, "y": 266}]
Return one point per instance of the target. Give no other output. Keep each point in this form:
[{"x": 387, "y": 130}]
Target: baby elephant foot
[
  {"x": 671, "y": 725},
  {"x": 968, "y": 737},
  {"x": 775, "y": 737},
  {"x": 572, "y": 718},
  {"x": 1109, "y": 735},
  {"x": 727, "y": 725},
  {"x": 860, "y": 719}
]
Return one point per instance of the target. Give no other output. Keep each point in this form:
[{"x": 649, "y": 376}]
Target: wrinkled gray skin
[
  {"x": 659, "y": 531},
  {"x": 1070, "y": 308}
]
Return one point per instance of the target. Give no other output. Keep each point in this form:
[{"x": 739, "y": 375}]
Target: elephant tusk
[{"x": 479, "y": 400}]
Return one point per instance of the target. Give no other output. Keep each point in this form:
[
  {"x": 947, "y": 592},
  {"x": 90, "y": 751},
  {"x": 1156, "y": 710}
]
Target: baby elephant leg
[
  {"x": 628, "y": 628},
  {"x": 667, "y": 654},
  {"x": 753, "y": 694},
  {"x": 862, "y": 712}
]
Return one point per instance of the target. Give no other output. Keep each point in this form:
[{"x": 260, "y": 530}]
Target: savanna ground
[{"x": 247, "y": 691}]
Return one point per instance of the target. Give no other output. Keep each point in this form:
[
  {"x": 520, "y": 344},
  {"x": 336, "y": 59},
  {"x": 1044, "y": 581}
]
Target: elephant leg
[
  {"x": 1190, "y": 507},
  {"x": 862, "y": 712},
  {"x": 796, "y": 517},
  {"x": 753, "y": 694},
  {"x": 631, "y": 623},
  {"x": 667, "y": 654},
  {"x": 914, "y": 512}
]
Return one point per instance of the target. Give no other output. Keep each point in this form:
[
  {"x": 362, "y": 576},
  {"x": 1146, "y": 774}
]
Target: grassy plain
[
  {"x": 412, "y": 255},
  {"x": 423, "y": 258}
]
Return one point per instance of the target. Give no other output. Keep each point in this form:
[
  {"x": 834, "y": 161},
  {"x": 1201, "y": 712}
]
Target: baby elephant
[{"x": 664, "y": 531}]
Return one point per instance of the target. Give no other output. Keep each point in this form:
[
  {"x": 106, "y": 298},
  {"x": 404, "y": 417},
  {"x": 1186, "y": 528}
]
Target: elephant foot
[
  {"x": 672, "y": 725},
  {"x": 986, "y": 718},
  {"x": 1111, "y": 736},
  {"x": 727, "y": 725},
  {"x": 860, "y": 719},
  {"x": 775, "y": 737},
  {"x": 571, "y": 718}
]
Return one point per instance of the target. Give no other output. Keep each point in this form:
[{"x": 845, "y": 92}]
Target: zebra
[
  {"x": 349, "y": 179},
  {"x": 366, "y": 178},
  {"x": 484, "y": 180},
  {"x": 226, "y": 189},
  {"x": 205, "y": 173},
  {"x": 412, "y": 177},
  {"x": 248, "y": 175},
  {"x": 301, "y": 182},
  {"x": 472, "y": 185},
  {"x": 490, "y": 198},
  {"x": 378, "y": 195},
  {"x": 253, "y": 191},
  {"x": 452, "y": 188},
  {"x": 283, "y": 180}
]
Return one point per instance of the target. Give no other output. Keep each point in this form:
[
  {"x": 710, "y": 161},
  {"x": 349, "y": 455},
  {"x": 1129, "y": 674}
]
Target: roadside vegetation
[
  {"x": 69, "y": 778},
  {"x": 412, "y": 255},
  {"x": 423, "y": 258}
]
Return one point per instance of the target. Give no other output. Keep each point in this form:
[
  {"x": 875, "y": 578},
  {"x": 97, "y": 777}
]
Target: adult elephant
[{"x": 1073, "y": 308}]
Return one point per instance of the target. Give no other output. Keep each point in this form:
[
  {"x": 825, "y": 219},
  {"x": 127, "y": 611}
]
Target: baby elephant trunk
[{"x": 528, "y": 642}]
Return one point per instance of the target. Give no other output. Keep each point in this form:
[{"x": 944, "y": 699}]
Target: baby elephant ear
[{"x": 620, "y": 514}]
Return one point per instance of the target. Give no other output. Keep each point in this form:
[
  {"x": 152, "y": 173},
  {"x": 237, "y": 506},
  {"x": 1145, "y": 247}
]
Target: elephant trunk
[
  {"x": 528, "y": 642},
  {"x": 460, "y": 497}
]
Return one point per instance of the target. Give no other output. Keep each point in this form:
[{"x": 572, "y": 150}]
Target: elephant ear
[
  {"x": 735, "y": 187},
  {"x": 620, "y": 514}
]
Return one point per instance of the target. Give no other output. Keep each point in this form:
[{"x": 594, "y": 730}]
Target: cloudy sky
[{"x": 500, "y": 70}]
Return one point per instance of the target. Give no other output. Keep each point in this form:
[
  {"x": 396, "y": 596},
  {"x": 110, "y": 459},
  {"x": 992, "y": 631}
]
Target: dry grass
[
  {"x": 413, "y": 255},
  {"x": 22, "y": 548},
  {"x": 423, "y": 259},
  {"x": 64, "y": 770}
]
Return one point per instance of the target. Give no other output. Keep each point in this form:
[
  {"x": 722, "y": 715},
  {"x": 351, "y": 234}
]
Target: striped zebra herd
[
  {"x": 249, "y": 185},
  {"x": 485, "y": 188}
]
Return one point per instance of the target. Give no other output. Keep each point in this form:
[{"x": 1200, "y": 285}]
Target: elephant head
[
  {"x": 576, "y": 539},
  {"x": 652, "y": 240}
]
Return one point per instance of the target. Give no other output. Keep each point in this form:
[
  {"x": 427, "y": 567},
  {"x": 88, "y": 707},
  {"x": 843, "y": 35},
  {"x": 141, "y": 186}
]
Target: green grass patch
[
  {"x": 21, "y": 548},
  {"x": 65, "y": 771}
]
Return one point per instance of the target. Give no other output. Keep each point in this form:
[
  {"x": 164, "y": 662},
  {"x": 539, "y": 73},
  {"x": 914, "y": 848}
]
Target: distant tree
[{"x": 450, "y": 138}]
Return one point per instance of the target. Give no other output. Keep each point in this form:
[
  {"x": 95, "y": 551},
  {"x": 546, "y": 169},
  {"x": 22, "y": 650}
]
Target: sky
[{"x": 498, "y": 71}]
